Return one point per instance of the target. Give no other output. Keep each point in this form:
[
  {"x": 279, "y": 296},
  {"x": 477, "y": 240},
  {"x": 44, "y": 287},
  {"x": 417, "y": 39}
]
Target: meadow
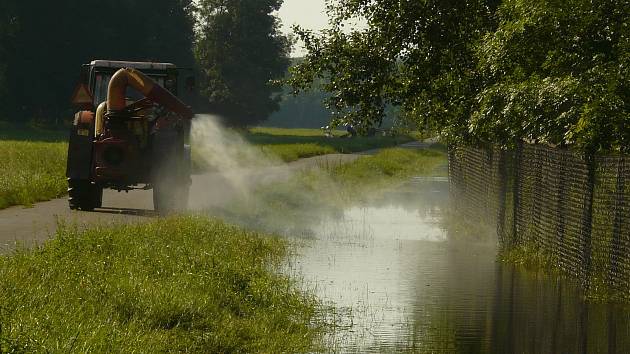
[
  {"x": 292, "y": 144},
  {"x": 330, "y": 188},
  {"x": 33, "y": 165},
  {"x": 34, "y": 160}
]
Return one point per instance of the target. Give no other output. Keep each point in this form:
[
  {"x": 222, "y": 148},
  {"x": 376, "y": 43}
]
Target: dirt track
[{"x": 36, "y": 224}]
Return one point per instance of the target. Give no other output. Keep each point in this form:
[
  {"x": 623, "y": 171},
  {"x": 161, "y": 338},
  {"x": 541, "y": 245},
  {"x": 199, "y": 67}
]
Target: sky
[{"x": 310, "y": 14}]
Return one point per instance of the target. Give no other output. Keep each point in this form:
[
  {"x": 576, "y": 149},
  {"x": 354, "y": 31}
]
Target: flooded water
[{"x": 400, "y": 281}]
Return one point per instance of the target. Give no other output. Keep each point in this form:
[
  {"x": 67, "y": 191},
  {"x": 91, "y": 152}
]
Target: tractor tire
[{"x": 84, "y": 195}]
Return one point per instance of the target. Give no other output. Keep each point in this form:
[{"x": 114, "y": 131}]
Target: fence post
[
  {"x": 587, "y": 220},
  {"x": 619, "y": 201},
  {"x": 562, "y": 213},
  {"x": 501, "y": 202},
  {"x": 516, "y": 190}
]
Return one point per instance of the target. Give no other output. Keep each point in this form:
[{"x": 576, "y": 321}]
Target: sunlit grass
[
  {"x": 294, "y": 141},
  {"x": 182, "y": 284},
  {"x": 389, "y": 166},
  {"x": 292, "y": 152},
  {"x": 328, "y": 189},
  {"x": 34, "y": 161},
  {"x": 31, "y": 172},
  {"x": 292, "y": 132}
]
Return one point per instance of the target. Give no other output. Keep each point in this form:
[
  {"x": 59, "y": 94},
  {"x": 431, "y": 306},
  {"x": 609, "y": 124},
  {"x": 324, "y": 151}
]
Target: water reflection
[{"x": 403, "y": 283}]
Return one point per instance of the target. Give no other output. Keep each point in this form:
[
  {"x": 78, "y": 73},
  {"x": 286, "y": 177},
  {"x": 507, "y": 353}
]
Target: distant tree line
[
  {"x": 480, "y": 71},
  {"x": 234, "y": 45},
  {"x": 305, "y": 110}
]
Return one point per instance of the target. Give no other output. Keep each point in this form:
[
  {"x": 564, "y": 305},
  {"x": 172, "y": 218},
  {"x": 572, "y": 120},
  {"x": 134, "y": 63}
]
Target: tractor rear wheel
[{"x": 84, "y": 195}]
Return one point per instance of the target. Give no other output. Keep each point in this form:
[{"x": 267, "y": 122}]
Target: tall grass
[
  {"x": 182, "y": 284},
  {"x": 327, "y": 190},
  {"x": 31, "y": 172},
  {"x": 293, "y": 152},
  {"x": 390, "y": 166},
  {"x": 292, "y": 132}
]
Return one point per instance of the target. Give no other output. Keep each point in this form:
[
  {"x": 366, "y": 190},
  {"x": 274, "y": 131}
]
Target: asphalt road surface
[{"x": 33, "y": 225}]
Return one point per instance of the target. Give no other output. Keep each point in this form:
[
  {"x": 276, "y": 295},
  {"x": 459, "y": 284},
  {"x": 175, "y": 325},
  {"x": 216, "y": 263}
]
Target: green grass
[
  {"x": 291, "y": 144},
  {"x": 31, "y": 172},
  {"x": 31, "y": 133},
  {"x": 329, "y": 189},
  {"x": 390, "y": 166},
  {"x": 292, "y": 132},
  {"x": 293, "y": 152},
  {"x": 34, "y": 160},
  {"x": 182, "y": 284}
]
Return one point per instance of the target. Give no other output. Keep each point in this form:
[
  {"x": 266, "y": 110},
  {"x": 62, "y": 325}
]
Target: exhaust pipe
[{"x": 126, "y": 77}]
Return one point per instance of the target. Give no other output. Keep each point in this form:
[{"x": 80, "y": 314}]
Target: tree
[
  {"x": 557, "y": 72},
  {"x": 50, "y": 41},
  {"x": 481, "y": 71},
  {"x": 414, "y": 54},
  {"x": 8, "y": 26},
  {"x": 240, "y": 50}
]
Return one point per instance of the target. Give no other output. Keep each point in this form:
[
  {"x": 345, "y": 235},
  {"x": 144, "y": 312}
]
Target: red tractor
[{"x": 131, "y": 134}]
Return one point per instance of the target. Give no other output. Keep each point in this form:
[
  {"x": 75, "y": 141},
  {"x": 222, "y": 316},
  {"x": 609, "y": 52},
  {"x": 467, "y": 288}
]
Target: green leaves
[
  {"x": 43, "y": 45},
  {"x": 241, "y": 50},
  {"x": 410, "y": 49},
  {"x": 554, "y": 73},
  {"x": 481, "y": 71}
]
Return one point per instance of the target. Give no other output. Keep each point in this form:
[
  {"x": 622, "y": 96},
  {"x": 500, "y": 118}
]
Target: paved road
[{"x": 36, "y": 224}]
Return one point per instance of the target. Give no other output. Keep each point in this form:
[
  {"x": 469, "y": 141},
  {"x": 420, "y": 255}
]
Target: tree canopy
[
  {"x": 240, "y": 50},
  {"x": 480, "y": 71},
  {"x": 236, "y": 43},
  {"x": 557, "y": 72},
  {"x": 47, "y": 43}
]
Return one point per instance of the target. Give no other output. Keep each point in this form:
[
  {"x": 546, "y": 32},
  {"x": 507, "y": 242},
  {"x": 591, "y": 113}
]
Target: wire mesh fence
[{"x": 572, "y": 207}]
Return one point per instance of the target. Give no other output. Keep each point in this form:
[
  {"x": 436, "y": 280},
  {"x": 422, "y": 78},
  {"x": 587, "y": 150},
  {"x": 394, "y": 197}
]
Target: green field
[
  {"x": 31, "y": 172},
  {"x": 33, "y": 165},
  {"x": 291, "y": 144},
  {"x": 183, "y": 284},
  {"x": 333, "y": 186},
  {"x": 34, "y": 160},
  {"x": 390, "y": 166}
]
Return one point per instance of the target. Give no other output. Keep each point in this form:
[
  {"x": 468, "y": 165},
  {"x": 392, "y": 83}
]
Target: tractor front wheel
[{"x": 84, "y": 195}]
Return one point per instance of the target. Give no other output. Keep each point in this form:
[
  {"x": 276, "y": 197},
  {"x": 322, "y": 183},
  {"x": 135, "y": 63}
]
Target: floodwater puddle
[{"x": 400, "y": 281}]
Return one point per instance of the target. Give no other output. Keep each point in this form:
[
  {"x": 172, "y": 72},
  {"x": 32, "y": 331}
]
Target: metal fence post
[
  {"x": 502, "y": 200},
  {"x": 516, "y": 189},
  {"x": 587, "y": 221},
  {"x": 616, "y": 236}
]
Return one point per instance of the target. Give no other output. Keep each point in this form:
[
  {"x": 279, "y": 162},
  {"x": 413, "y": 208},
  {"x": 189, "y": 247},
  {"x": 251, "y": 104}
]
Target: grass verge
[
  {"x": 388, "y": 167},
  {"x": 34, "y": 160},
  {"x": 292, "y": 144},
  {"x": 327, "y": 190},
  {"x": 182, "y": 284},
  {"x": 293, "y": 152},
  {"x": 31, "y": 172}
]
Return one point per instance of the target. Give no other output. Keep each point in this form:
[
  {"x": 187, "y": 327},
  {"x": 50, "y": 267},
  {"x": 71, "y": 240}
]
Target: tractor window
[
  {"x": 101, "y": 84},
  {"x": 100, "y": 88}
]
